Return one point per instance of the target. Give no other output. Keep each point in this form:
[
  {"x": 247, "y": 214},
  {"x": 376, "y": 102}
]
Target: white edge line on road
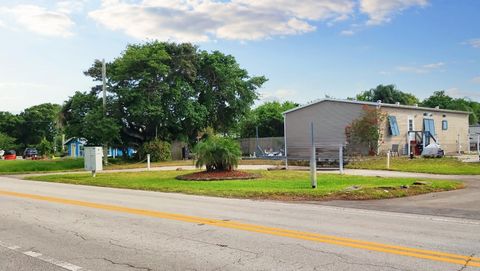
[{"x": 50, "y": 260}]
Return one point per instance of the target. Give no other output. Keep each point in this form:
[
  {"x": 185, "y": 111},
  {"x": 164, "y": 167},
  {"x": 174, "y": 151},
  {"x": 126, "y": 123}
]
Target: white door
[{"x": 411, "y": 127}]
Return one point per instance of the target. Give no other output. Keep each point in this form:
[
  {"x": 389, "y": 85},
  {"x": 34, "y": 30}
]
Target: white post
[
  {"x": 340, "y": 158},
  {"x": 313, "y": 161},
  {"x": 408, "y": 143},
  {"x": 148, "y": 161},
  {"x": 478, "y": 146},
  {"x": 424, "y": 138},
  {"x": 388, "y": 159},
  {"x": 458, "y": 144},
  {"x": 285, "y": 139}
]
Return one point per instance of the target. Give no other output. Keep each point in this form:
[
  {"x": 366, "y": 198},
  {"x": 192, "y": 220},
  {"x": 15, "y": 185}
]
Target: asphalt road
[{"x": 46, "y": 226}]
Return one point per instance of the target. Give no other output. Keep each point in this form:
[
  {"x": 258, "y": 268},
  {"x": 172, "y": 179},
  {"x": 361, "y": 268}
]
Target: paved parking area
[{"x": 463, "y": 203}]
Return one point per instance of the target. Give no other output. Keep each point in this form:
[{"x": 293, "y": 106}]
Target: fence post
[
  {"x": 340, "y": 158},
  {"x": 313, "y": 160},
  {"x": 148, "y": 161},
  {"x": 388, "y": 159},
  {"x": 478, "y": 146}
]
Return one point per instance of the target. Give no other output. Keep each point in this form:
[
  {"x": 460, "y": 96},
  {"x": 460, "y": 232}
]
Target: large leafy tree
[
  {"x": 75, "y": 110},
  {"x": 441, "y": 99},
  {"x": 387, "y": 94},
  {"x": 267, "y": 117},
  {"x": 39, "y": 122},
  {"x": 172, "y": 91}
]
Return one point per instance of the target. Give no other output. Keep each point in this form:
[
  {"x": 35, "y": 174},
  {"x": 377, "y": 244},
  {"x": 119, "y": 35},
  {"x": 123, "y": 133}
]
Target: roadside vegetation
[
  {"x": 274, "y": 185},
  {"x": 31, "y": 166},
  {"x": 445, "y": 165},
  {"x": 56, "y": 165}
]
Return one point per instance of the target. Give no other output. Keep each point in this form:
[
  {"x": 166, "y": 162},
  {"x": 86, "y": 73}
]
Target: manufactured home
[{"x": 406, "y": 129}]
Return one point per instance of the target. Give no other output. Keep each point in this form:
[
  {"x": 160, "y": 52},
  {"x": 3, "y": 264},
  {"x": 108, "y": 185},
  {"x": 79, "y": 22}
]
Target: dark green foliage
[
  {"x": 45, "y": 147},
  {"x": 269, "y": 119},
  {"x": 32, "y": 125},
  {"x": 6, "y": 142},
  {"x": 387, "y": 94},
  {"x": 441, "y": 99},
  {"x": 218, "y": 153},
  {"x": 159, "y": 150},
  {"x": 173, "y": 91}
]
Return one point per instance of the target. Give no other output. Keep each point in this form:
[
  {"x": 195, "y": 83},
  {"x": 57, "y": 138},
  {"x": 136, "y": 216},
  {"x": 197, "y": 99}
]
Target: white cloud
[
  {"x": 382, "y": 11},
  {"x": 40, "y": 20},
  {"x": 422, "y": 68},
  {"x": 70, "y": 6},
  {"x": 475, "y": 43},
  {"x": 195, "y": 20},
  {"x": 458, "y": 93},
  {"x": 16, "y": 96},
  {"x": 347, "y": 33},
  {"x": 277, "y": 95},
  {"x": 476, "y": 79}
]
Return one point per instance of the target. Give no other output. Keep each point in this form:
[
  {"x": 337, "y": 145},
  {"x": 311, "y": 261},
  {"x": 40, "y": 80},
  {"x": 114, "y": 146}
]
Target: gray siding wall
[{"x": 329, "y": 118}]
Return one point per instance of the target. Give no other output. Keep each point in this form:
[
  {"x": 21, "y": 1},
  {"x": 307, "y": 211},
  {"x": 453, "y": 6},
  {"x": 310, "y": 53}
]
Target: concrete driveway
[{"x": 463, "y": 203}]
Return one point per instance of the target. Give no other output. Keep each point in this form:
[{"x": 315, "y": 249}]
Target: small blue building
[{"x": 75, "y": 147}]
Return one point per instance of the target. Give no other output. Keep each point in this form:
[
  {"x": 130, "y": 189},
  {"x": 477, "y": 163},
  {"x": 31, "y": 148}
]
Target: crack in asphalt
[
  {"x": 467, "y": 262},
  {"x": 126, "y": 264}
]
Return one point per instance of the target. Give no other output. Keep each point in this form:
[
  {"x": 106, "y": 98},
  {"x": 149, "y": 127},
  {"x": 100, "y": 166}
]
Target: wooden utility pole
[{"x": 104, "y": 90}]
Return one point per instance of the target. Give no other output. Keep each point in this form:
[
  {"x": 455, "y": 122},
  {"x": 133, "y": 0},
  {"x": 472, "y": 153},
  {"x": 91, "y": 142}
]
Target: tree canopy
[
  {"x": 31, "y": 126},
  {"x": 387, "y": 94},
  {"x": 441, "y": 99},
  {"x": 267, "y": 117},
  {"x": 164, "y": 90}
]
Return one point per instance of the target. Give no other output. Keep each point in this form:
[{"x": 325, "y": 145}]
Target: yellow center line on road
[{"x": 327, "y": 239}]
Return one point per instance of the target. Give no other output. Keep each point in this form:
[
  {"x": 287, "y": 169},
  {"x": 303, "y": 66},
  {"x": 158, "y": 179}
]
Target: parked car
[
  {"x": 30, "y": 153},
  {"x": 10, "y": 155}
]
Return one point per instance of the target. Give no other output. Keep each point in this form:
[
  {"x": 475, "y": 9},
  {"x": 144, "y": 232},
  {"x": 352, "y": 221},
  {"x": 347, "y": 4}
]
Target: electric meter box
[{"x": 93, "y": 158}]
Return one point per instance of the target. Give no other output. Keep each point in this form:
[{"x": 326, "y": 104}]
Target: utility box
[{"x": 93, "y": 159}]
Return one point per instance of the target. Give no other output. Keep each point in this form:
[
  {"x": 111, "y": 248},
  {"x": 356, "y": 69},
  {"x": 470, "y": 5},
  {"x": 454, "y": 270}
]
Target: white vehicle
[
  {"x": 433, "y": 150},
  {"x": 2, "y": 152}
]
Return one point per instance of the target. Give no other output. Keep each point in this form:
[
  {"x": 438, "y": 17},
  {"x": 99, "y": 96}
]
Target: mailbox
[{"x": 93, "y": 159}]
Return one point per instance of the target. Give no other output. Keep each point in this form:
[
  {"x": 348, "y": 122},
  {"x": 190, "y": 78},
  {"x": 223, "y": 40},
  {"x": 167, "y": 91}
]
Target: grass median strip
[
  {"x": 445, "y": 165},
  {"x": 275, "y": 185},
  {"x": 315, "y": 237}
]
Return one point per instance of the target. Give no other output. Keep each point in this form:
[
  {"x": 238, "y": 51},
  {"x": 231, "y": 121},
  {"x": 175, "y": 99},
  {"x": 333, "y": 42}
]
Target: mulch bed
[{"x": 217, "y": 176}]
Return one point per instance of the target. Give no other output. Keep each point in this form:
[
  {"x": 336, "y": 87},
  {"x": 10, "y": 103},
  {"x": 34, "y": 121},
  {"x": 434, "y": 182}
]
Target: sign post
[{"x": 313, "y": 161}]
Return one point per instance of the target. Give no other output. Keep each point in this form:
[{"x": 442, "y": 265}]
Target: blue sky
[{"x": 307, "y": 49}]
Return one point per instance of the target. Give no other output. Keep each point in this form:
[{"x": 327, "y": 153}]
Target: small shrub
[
  {"x": 218, "y": 154},
  {"x": 159, "y": 150},
  {"x": 45, "y": 147}
]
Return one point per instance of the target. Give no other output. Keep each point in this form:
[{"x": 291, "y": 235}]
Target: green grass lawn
[
  {"x": 277, "y": 185},
  {"x": 27, "y": 166},
  {"x": 445, "y": 165},
  {"x": 36, "y": 166}
]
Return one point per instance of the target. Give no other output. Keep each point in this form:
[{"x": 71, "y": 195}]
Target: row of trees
[
  {"x": 167, "y": 91},
  {"x": 390, "y": 94},
  {"x": 37, "y": 126},
  {"x": 164, "y": 91}
]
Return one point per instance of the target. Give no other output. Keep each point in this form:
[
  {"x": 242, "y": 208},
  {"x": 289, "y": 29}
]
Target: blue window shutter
[
  {"x": 432, "y": 127},
  {"x": 394, "y": 131}
]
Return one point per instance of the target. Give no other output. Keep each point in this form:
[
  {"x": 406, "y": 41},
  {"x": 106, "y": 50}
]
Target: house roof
[
  {"x": 81, "y": 140},
  {"x": 375, "y": 104}
]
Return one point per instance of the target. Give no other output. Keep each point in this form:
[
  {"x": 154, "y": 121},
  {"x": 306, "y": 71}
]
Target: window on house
[
  {"x": 429, "y": 126},
  {"x": 444, "y": 124},
  {"x": 394, "y": 131}
]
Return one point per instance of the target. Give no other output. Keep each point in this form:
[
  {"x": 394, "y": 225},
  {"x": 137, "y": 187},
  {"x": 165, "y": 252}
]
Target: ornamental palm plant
[{"x": 218, "y": 154}]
